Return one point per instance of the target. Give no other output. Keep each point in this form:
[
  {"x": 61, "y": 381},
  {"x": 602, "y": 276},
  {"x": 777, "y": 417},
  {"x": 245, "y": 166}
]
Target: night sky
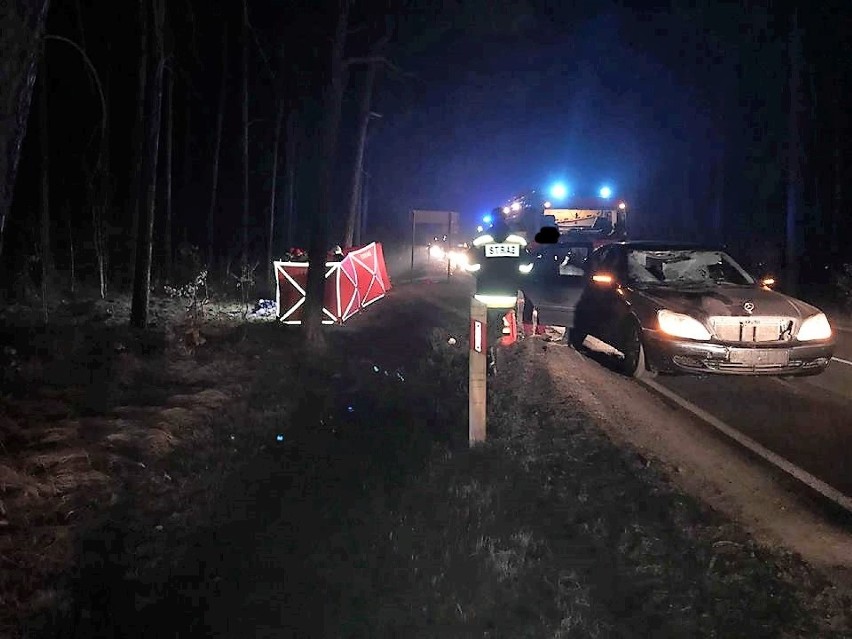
[{"x": 680, "y": 106}]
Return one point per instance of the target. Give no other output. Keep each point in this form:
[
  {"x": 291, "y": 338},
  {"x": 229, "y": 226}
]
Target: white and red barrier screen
[
  {"x": 355, "y": 282},
  {"x": 371, "y": 276}
]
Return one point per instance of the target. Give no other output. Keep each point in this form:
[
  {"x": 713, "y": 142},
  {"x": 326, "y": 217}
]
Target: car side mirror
[{"x": 547, "y": 235}]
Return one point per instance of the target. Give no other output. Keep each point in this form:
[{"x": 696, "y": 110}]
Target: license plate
[
  {"x": 502, "y": 250},
  {"x": 759, "y": 356}
]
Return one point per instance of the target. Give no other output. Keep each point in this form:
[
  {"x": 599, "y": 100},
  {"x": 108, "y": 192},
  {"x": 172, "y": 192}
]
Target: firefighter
[{"x": 499, "y": 260}]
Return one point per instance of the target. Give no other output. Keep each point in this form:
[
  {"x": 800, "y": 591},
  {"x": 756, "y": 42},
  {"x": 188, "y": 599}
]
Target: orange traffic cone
[{"x": 510, "y": 329}]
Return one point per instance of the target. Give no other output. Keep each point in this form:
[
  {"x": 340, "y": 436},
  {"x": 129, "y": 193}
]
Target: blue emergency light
[{"x": 558, "y": 191}]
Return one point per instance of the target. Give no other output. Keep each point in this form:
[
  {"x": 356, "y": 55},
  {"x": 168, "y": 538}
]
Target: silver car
[{"x": 682, "y": 308}]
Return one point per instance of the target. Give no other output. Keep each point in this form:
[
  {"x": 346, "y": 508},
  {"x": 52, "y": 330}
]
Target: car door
[
  {"x": 555, "y": 286},
  {"x": 586, "y": 314},
  {"x": 601, "y": 305},
  {"x": 615, "y": 308}
]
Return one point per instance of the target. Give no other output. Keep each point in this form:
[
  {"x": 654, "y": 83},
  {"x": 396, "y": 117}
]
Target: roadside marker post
[
  {"x": 449, "y": 242},
  {"x": 519, "y": 315},
  {"x": 477, "y": 373}
]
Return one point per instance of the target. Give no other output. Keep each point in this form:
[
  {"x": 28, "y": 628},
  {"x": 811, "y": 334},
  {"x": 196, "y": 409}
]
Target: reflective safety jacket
[{"x": 499, "y": 264}]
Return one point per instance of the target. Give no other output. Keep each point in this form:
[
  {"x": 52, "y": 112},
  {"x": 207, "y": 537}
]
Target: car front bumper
[{"x": 673, "y": 355}]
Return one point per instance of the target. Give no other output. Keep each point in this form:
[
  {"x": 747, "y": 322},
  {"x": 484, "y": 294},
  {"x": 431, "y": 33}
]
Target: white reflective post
[
  {"x": 449, "y": 241},
  {"x": 477, "y": 371}
]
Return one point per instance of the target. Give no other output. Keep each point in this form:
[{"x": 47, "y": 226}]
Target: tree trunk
[
  {"x": 193, "y": 38},
  {"x": 100, "y": 198},
  {"x": 220, "y": 117},
  {"x": 188, "y": 192},
  {"x": 145, "y": 232},
  {"x": 72, "y": 264},
  {"x": 332, "y": 103},
  {"x": 97, "y": 188},
  {"x": 187, "y": 148},
  {"x": 290, "y": 175},
  {"x": 21, "y": 28},
  {"x": 719, "y": 174},
  {"x": 167, "y": 230},
  {"x": 80, "y": 24},
  {"x": 359, "y": 211},
  {"x": 269, "y": 240},
  {"x": 365, "y": 202},
  {"x": 837, "y": 161},
  {"x": 245, "y": 224},
  {"x": 136, "y": 195},
  {"x": 794, "y": 166},
  {"x": 687, "y": 211},
  {"x": 358, "y": 168},
  {"x": 46, "y": 252}
]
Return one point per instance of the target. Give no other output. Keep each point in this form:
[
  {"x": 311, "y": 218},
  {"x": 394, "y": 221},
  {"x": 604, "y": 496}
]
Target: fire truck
[
  {"x": 597, "y": 219},
  {"x": 584, "y": 224}
]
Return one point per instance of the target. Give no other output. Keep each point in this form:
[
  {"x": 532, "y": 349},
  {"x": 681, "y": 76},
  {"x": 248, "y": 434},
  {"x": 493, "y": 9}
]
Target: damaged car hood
[{"x": 725, "y": 299}]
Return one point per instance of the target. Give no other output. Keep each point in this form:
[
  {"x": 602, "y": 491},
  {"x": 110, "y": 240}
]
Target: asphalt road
[{"x": 806, "y": 420}]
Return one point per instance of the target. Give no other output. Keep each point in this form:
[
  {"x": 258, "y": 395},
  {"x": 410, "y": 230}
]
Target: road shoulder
[{"x": 702, "y": 463}]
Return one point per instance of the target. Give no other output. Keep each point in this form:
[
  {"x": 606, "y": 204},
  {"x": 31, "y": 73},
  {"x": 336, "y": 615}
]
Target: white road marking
[
  {"x": 842, "y": 361},
  {"x": 776, "y": 460}
]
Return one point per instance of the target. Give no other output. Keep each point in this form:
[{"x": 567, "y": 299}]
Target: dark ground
[
  {"x": 251, "y": 566},
  {"x": 371, "y": 518}
]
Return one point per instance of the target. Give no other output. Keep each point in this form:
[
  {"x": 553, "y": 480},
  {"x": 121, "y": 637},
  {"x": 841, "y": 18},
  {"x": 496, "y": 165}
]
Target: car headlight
[
  {"x": 436, "y": 251},
  {"x": 471, "y": 268},
  {"x": 679, "y": 325},
  {"x": 457, "y": 258},
  {"x": 525, "y": 268},
  {"x": 815, "y": 327}
]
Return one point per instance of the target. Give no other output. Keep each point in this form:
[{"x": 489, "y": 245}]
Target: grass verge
[
  {"x": 99, "y": 422},
  {"x": 549, "y": 530},
  {"x": 370, "y": 517}
]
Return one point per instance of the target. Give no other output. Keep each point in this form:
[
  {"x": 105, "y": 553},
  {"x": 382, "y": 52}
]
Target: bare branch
[
  {"x": 262, "y": 52},
  {"x": 95, "y": 77},
  {"x": 193, "y": 32}
]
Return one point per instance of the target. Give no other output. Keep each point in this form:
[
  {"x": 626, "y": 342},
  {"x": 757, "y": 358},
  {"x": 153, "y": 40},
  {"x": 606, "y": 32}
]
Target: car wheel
[
  {"x": 576, "y": 337},
  {"x": 633, "y": 364}
]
